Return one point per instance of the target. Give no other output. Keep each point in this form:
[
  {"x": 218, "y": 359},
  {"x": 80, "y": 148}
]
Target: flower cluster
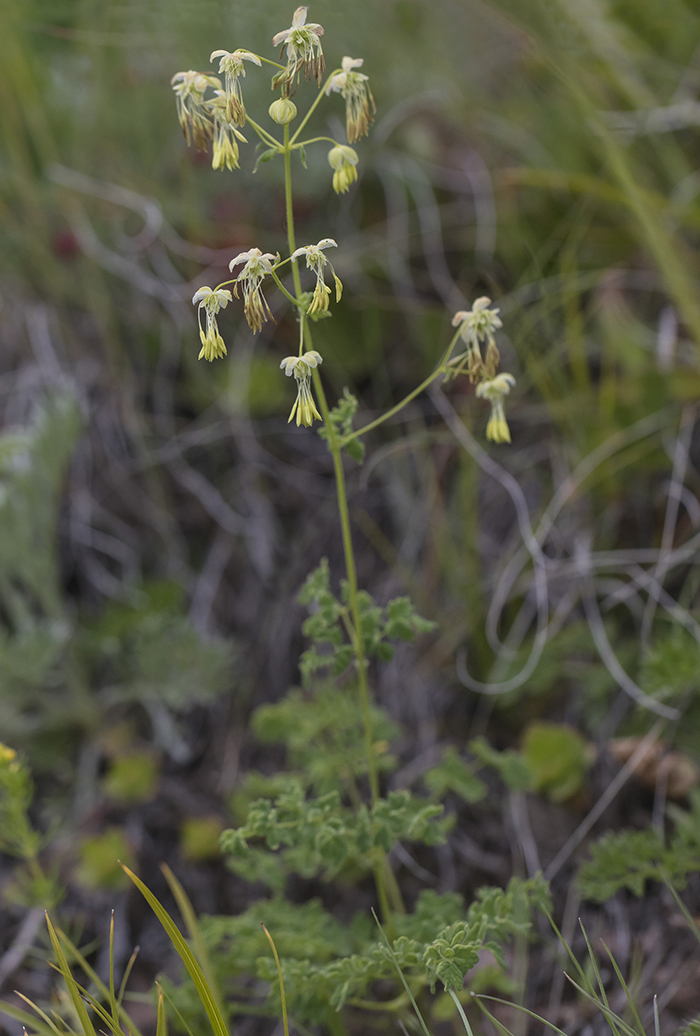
[
  {"x": 359, "y": 103},
  {"x": 216, "y": 119},
  {"x": 477, "y": 327},
  {"x": 304, "y": 51}
]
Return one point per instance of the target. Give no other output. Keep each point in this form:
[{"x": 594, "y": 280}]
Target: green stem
[
  {"x": 315, "y": 140},
  {"x": 290, "y": 210},
  {"x": 313, "y": 107},
  {"x": 440, "y": 369},
  {"x": 268, "y": 61},
  {"x": 382, "y": 868},
  {"x": 282, "y": 288},
  {"x": 351, "y": 571},
  {"x": 266, "y": 137}
]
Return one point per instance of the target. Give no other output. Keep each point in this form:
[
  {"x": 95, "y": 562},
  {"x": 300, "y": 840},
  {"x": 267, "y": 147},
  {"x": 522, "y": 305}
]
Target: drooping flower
[
  {"x": 316, "y": 261},
  {"x": 257, "y": 266},
  {"x": 211, "y": 300},
  {"x": 304, "y": 51},
  {"x": 495, "y": 390},
  {"x": 359, "y": 103},
  {"x": 301, "y": 367},
  {"x": 478, "y": 325},
  {"x": 343, "y": 160},
  {"x": 192, "y": 111},
  {"x": 231, "y": 66},
  {"x": 225, "y": 136}
]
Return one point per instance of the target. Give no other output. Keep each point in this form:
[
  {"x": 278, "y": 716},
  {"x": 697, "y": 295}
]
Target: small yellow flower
[
  {"x": 257, "y": 266},
  {"x": 211, "y": 300},
  {"x": 359, "y": 103},
  {"x": 225, "y": 137},
  {"x": 231, "y": 66},
  {"x": 301, "y": 367},
  {"x": 478, "y": 325},
  {"x": 316, "y": 261},
  {"x": 304, "y": 51},
  {"x": 343, "y": 160},
  {"x": 494, "y": 390}
]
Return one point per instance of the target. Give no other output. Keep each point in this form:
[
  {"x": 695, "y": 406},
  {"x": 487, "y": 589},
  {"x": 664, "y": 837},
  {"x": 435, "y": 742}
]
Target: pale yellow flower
[
  {"x": 193, "y": 112},
  {"x": 304, "y": 51},
  {"x": 257, "y": 266},
  {"x": 478, "y": 325},
  {"x": 211, "y": 300},
  {"x": 226, "y": 135},
  {"x": 494, "y": 390},
  {"x": 316, "y": 261},
  {"x": 359, "y": 103},
  {"x": 343, "y": 160},
  {"x": 231, "y": 66},
  {"x": 301, "y": 367}
]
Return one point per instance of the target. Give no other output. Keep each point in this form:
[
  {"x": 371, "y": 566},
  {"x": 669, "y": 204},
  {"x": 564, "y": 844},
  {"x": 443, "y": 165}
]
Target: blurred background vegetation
[{"x": 158, "y": 516}]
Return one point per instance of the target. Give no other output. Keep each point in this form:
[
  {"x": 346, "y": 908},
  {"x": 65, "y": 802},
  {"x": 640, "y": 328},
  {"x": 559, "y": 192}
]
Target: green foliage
[
  {"x": 199, "y": 838},
  {"x": 691, "y": 1028},
  {"x": 325, "y": 746},
  {"x": 341, "y": 417},
  {"x": 557, "y": 757},
  {"x": 100, "y": 857},
  {"x": 31, "y": 886},
  {"x": 511, "y": 766},
  {"x": 132, "y": 778},
  {"x": 427, "y": 954},
  {"x": 453, "y": 774},
  {"x": 628, "y": 859},
  {"x": 328, "y": 625},
  {"x": 320, "y": 836}
]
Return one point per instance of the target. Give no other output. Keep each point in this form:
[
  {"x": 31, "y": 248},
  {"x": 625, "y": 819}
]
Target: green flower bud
[{"x": 283, "y": 111}]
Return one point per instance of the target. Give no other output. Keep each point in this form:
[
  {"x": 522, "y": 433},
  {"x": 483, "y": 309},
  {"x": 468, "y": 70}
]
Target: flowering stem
[
  {"x": 440, "y": 369},
  {"x": 290, "y": 210},
  {"x": 387, "y": 889},
  {"x": 313, "y": 107}
]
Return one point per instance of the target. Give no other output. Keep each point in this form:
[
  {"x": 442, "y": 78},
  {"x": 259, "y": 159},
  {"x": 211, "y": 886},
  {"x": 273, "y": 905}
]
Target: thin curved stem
[
  {"x": 266, "y": 137},
  {"x": 440, "y": 369},
  {"x": 287, "y": 294},
  {"x": 315, "y": 140},
  {"x": 313, "y": 107}
]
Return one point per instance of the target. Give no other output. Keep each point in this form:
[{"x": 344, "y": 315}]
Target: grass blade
[
  {"x": 193, "y": 929},
  {"x": 285, "y": 1021},
  {"x": 405, "y": 984},
  {"x": 73, "y": 991},
  {"x": 188, "y": 958}
]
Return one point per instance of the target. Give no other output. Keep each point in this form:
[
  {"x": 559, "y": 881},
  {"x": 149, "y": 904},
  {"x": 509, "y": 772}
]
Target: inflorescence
[{"x": 212, "y": 112}]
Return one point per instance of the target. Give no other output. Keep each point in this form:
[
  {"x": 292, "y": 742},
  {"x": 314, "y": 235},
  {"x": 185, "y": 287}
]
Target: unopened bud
[{"x": 283, "y": 111}]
